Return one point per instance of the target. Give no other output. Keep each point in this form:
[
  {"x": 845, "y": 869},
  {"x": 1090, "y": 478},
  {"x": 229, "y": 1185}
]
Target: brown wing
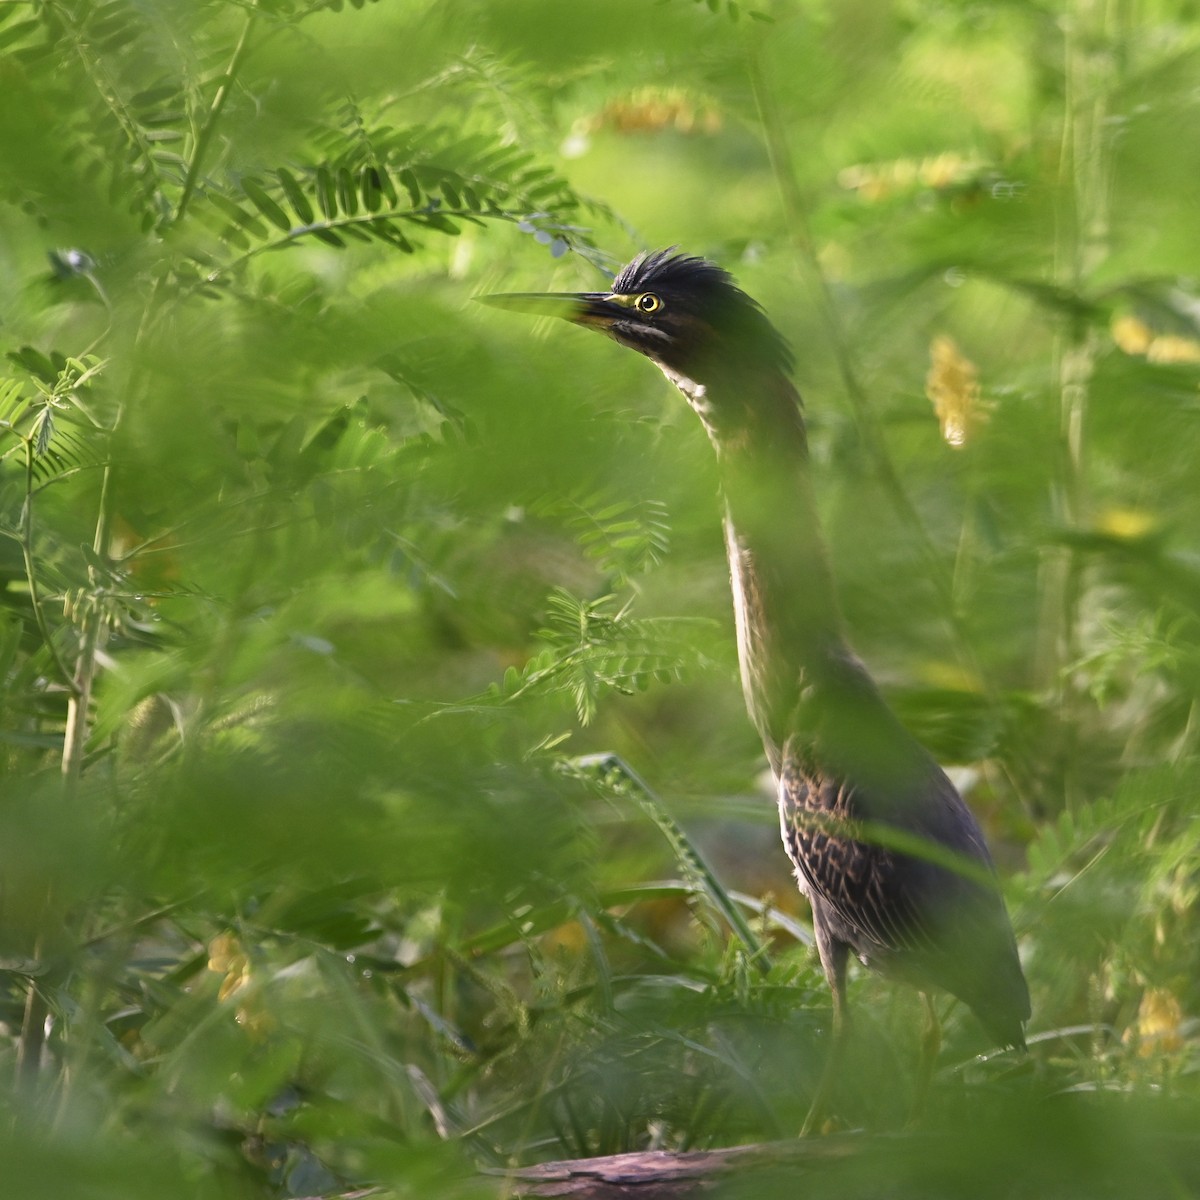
[
  {"x": 902, "y": 913},
  {"x": 858, "y": 880}
]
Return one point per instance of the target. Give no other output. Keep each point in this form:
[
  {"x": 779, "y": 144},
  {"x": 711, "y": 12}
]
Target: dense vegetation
[{"x": 331, "y": 603}]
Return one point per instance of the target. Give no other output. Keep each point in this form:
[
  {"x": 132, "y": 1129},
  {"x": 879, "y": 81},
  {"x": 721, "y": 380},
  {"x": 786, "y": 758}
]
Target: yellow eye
[{"x": 649, "y": 302}]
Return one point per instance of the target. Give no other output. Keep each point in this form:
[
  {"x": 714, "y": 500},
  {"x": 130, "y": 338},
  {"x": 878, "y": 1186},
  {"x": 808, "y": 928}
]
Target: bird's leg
[
  {"x": 834, "y": 957},
  {"x": 931, "y": 1044}
]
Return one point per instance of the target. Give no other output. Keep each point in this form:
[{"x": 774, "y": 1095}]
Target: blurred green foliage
[{"x": 324, "y": 593}]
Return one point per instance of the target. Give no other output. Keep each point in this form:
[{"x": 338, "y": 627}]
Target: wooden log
[{"x": 661, "y": 1174}]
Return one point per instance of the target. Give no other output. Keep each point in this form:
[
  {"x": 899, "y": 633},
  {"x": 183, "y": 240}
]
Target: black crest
[
  {"x": 664, "y": 270},
  {"x": 701, "y": 289}
]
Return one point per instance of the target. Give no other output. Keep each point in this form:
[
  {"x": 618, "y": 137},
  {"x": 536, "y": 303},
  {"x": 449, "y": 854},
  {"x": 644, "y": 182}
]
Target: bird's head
[{"x": 685, "y": 314}]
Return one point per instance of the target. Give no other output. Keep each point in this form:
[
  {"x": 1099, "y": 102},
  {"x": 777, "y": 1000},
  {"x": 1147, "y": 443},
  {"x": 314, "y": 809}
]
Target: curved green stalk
[{"x": 214, "y": 115}]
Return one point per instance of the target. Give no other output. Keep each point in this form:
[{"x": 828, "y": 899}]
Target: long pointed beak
[{"x": 597, "y": 309}]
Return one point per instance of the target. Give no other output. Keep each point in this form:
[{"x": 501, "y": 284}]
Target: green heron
[{"x": 892, "y": 861}]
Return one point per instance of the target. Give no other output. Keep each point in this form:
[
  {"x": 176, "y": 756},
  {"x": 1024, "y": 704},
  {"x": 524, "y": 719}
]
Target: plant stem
[
  {"x": 75, "y": 739},
  {"x": 687, "y": 854},
  {"x": 1081, "y": 245},
  {"x": 35, "y": 598},
  {"x": 214, "y": 115},
  {"x": 33, "y": 1033}
]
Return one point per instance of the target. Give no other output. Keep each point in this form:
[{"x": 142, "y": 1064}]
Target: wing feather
[{"x": 902, "y": 914}]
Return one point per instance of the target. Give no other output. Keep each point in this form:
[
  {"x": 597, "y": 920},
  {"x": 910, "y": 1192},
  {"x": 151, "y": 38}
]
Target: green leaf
[
  {"x": 295, "y": 195},
  {"x": 327, "y": 196},
  {"x": 241, "y": 219},
  {"x": 266, "y": 205},
  {"x": 409, "y": 179},
  {"x": 369, "y": 189},
  {"x": 347, "y": 192}
]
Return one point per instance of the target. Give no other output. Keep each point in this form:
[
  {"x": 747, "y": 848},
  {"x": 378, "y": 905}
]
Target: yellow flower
[
  {"x": 1136, "y": 337},
  {"x": 1172, "y": 349},
  {"x": 1159, "y": 1023},
  {"x": 1128, "y": 524},
  {"x": 952, "y": 386},
  {"x": 226, "y": 957},
  {"x": 1131, "y": 335}
]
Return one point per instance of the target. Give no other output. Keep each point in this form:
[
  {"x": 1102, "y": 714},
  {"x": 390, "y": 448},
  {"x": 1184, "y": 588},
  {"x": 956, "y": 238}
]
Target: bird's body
[{"x": 892, "y": 861}]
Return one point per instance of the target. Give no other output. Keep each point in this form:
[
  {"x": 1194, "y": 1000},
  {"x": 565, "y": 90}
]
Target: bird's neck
[{"x": 788, "y": 624}]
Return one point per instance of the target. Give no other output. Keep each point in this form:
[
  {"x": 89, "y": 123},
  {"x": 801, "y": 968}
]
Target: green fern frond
[
  {"x": 62, "y": 442},
  {"x": 296, "y": 10},
  {"x": 380, "y": 185},
  {"x": 21, "y": 37},
  {"x": 735, "y": 11},
  {"x": 593, "y": 647},
  {"x": 14, "y": 403},
  {"x": 625, "y": 538},
  {"x": 107, "y": 49}
]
